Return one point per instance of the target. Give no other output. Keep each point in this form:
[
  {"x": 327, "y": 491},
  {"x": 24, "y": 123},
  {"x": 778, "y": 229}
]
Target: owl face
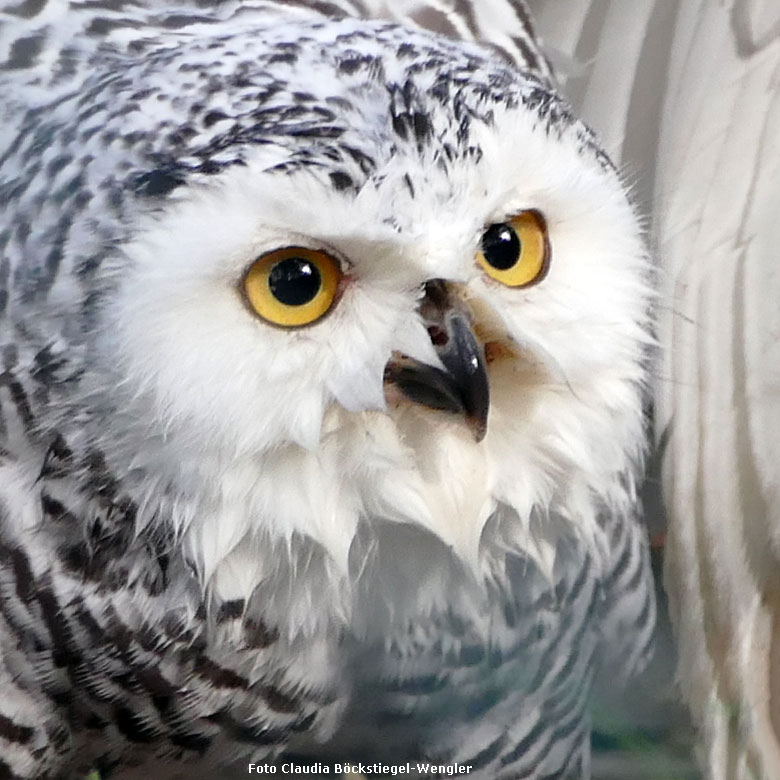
[{"x": 412, "y": 291}]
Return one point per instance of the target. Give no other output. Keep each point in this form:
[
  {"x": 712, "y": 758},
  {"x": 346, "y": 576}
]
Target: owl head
[{"x": 366, "y": 276}]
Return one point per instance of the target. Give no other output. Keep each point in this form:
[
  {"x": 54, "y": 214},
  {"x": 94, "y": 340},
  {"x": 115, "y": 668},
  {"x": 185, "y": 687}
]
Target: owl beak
[{"x": 463, "y": 386}]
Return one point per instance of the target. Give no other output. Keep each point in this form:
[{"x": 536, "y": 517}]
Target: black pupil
[
  {"x": 295, "y": 281},
  {"x": 501, "y": 246}
]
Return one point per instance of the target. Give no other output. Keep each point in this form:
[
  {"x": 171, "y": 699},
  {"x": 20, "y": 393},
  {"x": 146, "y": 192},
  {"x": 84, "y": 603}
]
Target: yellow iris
[
  {"x": 516, "y": 252},
  {"x": 293, "y": 286}
]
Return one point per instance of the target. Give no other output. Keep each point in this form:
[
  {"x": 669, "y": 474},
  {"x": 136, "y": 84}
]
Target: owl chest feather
[{"x": 145, "y": 654}]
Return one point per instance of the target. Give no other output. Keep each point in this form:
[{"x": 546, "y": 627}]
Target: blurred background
[{"x": 685, "y": 96}]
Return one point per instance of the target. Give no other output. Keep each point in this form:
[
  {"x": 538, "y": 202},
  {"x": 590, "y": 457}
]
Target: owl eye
[
  {"x": 293, "y": 286},
  {"x": 516, "y": 252}
]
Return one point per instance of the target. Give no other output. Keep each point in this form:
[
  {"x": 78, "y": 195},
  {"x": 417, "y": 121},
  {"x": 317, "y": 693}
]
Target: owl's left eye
[
  {"x": 516, "y": 252},
  {"x": 293, "y": 286}
]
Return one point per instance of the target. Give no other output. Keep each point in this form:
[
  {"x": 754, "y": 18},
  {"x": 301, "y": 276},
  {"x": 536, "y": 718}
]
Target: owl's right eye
[{"x": 292, "y": 287}]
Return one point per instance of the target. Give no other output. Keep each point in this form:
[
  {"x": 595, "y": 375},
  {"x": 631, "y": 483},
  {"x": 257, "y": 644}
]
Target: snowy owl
[{"x": 324, "y": 331}]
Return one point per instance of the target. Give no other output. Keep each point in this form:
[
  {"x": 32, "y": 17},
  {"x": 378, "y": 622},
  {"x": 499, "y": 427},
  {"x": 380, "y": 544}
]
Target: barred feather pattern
[{"x": 119, "y": 651}]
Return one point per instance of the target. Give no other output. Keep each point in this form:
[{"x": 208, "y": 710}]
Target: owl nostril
[{"x": 439, "y": 337}]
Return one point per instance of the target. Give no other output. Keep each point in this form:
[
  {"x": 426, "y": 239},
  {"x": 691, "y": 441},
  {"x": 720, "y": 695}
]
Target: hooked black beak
[{"x": 463, "y": 386}]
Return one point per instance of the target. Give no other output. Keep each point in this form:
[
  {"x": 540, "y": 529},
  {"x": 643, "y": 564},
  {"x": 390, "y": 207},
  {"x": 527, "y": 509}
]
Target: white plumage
[{"x": 224, "y": 536}]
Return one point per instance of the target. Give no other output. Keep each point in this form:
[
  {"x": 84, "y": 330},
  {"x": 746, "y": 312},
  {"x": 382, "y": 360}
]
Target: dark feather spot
[
  {"x": 287, "y": 57},
  {"x": 57, "y": 164},
  {"x": 28, "y": 9},
  {"x": 93, "y": 722},
  {"x": 258, "y": 634},
  {"x": 218, "y": 676},
  {"x": 53, "y": 509},
  {"x": 75, "y": 557},
  {"x": 177, "y": 21},
  {"x": 13, "y": 732},
  {"x": 471, "y": 655},
  {"x": 422, "y": 126},
  {"x": 399, "y": 126},
  {"x": 230, "y": 610},
  {"x": 209, "y": 167},
  {"x": 19, "y": 397},
  {"x": 341, "y": 181},
  {"x": 132, "y": 726},
  {"x": 24, "y": 52},
  {"x": 25, "y": 582},
  {"x": 101, "y": 26},
  {"x": 157, "y": 182},
  {"x": 278, "y": 701},
  {"x": 5, "y": 772},
  {"x": 151, "y": 679},
  {"x": 349, "y": 66},
  {"x": 304, "y": 724},
  {"x": 213, "y": 117},
  {"x": 59, "y": 629}
]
